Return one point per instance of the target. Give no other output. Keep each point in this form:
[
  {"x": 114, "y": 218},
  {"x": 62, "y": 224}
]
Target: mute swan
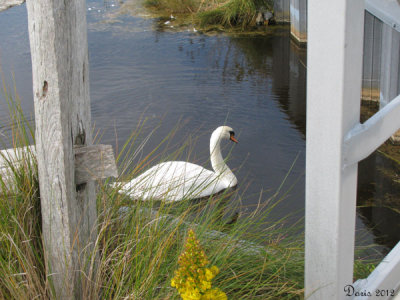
[{"x": 178, "y": 180}]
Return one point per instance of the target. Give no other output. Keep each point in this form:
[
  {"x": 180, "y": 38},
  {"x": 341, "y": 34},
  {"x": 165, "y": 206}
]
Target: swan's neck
[{"x": 217, "y": 162}]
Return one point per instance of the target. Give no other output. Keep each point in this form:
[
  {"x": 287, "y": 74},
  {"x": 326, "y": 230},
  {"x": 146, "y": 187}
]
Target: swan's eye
[{"x": 232, "y": 137}]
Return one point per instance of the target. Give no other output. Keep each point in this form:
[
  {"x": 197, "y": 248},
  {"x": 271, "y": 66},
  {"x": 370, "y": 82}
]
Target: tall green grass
[
  {"x": 205, "y": 13},
  {"x": 139, "y": 242},
  {"x": 233, "y": 13},
  {"x": 22, "y": 270}
]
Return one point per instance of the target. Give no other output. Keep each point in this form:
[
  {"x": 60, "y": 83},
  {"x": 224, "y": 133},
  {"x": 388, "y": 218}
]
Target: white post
[
  {"x": 282, "y": 11},
  {"x": 372, "y": 57},
  {"x": 58, "y": 39},
  {"x": 335, "y": 42},
  {"x": 298, "y": 20},
  {"x": 390, "y": 77},
  {"x": 390, "y": 64}
]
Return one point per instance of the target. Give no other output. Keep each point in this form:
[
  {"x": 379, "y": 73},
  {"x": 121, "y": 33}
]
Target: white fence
[{"x": 336, "y": 142}]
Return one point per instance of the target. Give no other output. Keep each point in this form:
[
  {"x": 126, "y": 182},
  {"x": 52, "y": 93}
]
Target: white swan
[{"x": 178, "y": 180}]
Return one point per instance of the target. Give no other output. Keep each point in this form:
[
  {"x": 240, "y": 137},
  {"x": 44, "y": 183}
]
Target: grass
[
  {"x": 148, "y": 237},
  {"x": 138, "y": 243},
  {"x": 206, "y": 14},
  {"x": 22, "y": 274},
  {"x": 233, "y": 13}
]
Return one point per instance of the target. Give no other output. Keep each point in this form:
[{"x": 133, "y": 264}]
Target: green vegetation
[
  {"x": 234, "y": 13},
  {"x": 22, "y": 270},
  {"x": 138, "y": 243},
  {"x": 239, "y": 14}
]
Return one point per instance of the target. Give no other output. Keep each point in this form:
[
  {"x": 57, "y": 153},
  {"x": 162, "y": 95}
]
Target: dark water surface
[{"x": 138, "y": 70}]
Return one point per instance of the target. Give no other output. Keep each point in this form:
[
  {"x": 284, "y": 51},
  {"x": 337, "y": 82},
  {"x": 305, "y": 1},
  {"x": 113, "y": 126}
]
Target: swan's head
[{"x": 225, "y": 132}]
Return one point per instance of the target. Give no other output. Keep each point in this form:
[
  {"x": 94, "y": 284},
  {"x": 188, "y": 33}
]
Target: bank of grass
[
  {"x": 138, "y": 243},
  {"x": 206, "y": 14}
]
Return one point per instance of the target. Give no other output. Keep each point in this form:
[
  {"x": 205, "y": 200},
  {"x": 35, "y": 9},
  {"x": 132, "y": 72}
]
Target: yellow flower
[
  {"x": 214, "y": 294},
  {"x": 209, "y": 274},
  {"x": 193, "y": 279}
]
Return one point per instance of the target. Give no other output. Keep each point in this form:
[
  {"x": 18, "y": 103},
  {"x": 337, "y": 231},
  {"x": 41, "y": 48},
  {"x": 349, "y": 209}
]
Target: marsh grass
[
  {"x": 233, "y": 13},
  {"x": 207, "y": 14},
  {"x": 139, "y": 242},
  {"x": 22, "y": 274}
]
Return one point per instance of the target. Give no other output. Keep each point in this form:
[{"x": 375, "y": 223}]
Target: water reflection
[{"x": 378, "y": 198}]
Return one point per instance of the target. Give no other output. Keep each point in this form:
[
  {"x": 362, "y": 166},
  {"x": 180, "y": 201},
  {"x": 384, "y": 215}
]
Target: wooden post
[
  {"x": 58, "y": 39},
  {"x": 335, "y": 40}
]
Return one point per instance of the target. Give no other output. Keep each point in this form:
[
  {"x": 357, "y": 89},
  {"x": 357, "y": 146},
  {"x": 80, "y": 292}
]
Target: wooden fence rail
[{"x": 6, "y": 4}]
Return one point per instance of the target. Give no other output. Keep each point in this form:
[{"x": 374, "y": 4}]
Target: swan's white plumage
[{"x": 177, "y": 180}]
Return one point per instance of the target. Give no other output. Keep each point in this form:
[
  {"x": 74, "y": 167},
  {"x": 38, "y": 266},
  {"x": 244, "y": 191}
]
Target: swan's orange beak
[{"x": 232, "y": 138}]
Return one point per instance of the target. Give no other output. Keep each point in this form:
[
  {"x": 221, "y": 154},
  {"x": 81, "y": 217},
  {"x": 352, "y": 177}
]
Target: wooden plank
[
  {"x": 94, "y": 162},
  {"x": 335, "y": 41},
  {"x": 60, "y": 69},
  {"x": 91, "y": 162},
  {"x": 12, "y": 158},
  {"x": 14, "y": 155},
  {"x": 6, "y": 4}
]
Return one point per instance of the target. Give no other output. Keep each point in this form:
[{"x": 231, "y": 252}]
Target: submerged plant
[{"x": 193, "y": 279}]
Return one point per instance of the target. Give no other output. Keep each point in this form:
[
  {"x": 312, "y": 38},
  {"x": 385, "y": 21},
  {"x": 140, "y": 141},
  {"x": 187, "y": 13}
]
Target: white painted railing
[{"x": 336, "y": 142}]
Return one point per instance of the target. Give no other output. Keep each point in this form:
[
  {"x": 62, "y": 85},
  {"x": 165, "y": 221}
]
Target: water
[{"x": 141, "y": 70}]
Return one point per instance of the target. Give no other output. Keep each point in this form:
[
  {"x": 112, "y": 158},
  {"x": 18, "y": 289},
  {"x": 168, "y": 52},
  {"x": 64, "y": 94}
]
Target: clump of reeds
[
  {"x": 22, "y": 269},
  {"x": 233, "y": 13},
  {"x": 214, "y": 13}
]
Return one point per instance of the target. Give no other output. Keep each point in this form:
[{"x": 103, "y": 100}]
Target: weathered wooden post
[{"x": 58, "y": 39}]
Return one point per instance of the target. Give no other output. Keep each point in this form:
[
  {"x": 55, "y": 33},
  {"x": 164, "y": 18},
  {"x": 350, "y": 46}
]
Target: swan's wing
[{"x": 174, "y": 181}]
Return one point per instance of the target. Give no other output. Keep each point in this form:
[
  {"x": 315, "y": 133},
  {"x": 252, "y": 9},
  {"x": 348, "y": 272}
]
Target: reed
[
  {"x": 213, "y": 13},
  {"x": 22, "y": 270},
  {"x": 233, "y": 13}
]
